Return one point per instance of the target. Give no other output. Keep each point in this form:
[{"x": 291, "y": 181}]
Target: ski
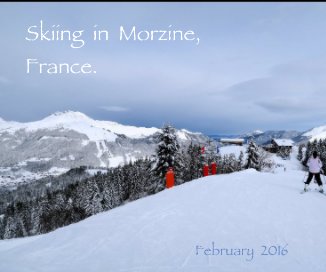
[
  {"x": 303, "y": 191},
  {"x": 323, "y": 193},
  {"x": 315, "y": 190}
]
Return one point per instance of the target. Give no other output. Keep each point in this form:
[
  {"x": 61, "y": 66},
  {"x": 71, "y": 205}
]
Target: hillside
[
  {"x": 265, "y": 137},
  {"x": 316, "y": 133},
  {"x": 247, "y": 209},
  {"x": 66, "y": 140}
]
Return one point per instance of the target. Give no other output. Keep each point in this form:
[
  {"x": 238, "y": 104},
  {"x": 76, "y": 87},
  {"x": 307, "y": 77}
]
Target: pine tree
[
  {"x": 154, "y": 183},
  {"x": 314, "y": 146},
  {"x": 253, "y": 156},
  {"x": 307, "y": 153},
  {"x": 10, "y": 223},
  {"x": 240, "y": 161},
  {"x": 92, "y": 203},
  {"x": 230, "y": 163},
  {"x": 210, "y": 152},
  {"x": 194, "y": 161},
  {"x": 166, "y": 152},
  {"x": 107, "y": 193},
  {"x": 23, "y": 218},
  {"x": 300, "y": 152},
  {"x": 2, "y": 226},
  {"x": 10, "y": 228},
  {"x": 219, "y": 163}
]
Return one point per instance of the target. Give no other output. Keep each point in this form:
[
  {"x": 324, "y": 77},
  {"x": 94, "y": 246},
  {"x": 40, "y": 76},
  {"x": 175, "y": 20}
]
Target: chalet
[
  {"x": 279, "y": 145},
  {"x": 232, "y": 141}
]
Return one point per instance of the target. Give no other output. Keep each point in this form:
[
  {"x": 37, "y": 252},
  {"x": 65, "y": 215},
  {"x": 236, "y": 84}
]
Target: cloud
[
  {"x": 114, "y": 108},
  {"x": 293, "y": 88},
  {"x": 4, "y": 80},
  {"x": 282, "y": 105},
  {"x": 248, "y": 66}
]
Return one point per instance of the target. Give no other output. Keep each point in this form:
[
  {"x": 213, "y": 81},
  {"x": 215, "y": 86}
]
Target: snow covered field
[
  {"x": 10, "y": 178},
  {"x": 174, "y": 231},
  {"x": 235, "y": 149}
]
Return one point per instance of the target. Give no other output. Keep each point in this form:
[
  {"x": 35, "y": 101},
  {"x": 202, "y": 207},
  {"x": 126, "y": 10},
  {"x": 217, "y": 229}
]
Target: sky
[{"x": 257, "y": 65}]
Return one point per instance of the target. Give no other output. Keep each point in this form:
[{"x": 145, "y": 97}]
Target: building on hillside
[
  {"x": 231, "y": 141},
  {"x": 279, "y": 146}
]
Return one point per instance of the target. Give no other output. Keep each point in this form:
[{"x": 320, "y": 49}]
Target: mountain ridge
[{"x": 69, "y": 139}]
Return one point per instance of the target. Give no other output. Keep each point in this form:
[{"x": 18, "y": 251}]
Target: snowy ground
[
  {"x": 244, "y": 210},
  {"x": 235, "y": 149},
  {"x": 280, "y": 164},
  {"x": 11, "y": 179}
]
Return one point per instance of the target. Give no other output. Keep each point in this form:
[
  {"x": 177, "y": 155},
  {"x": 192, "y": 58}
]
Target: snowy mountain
[
  {"x": 263, "y": 137},
  {"x": 70, "y": 139},
  {"x": 246, "y": 213},
  {"x": 79, "y": 122},
  {"x": 266, "y": 136},
  {"x": 255, "y": 133},
  {"x": 316, "y": 133}
]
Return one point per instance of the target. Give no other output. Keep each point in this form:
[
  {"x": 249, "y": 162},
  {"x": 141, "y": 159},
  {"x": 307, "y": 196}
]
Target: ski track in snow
[{"x": 247, "y": 209}]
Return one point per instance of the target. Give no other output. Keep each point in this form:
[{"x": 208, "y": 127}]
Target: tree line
[
  {"x": 305, "y": 151},
  {"x": 78, "y": 196}
]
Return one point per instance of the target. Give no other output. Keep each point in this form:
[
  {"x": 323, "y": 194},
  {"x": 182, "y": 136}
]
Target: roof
[
  {"x": 283, "y": 142},
  {"x": 232, "y": 140}
]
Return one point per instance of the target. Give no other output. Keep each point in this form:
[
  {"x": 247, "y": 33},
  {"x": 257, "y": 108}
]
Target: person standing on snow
[{"x": 314, "y": 163}]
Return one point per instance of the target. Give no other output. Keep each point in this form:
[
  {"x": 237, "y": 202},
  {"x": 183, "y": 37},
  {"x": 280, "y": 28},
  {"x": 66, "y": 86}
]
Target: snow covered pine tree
[
  {"x": 253, "y": 156},
  {"x": 193, "y": 161},
  {"x": 167, "y": 153}
]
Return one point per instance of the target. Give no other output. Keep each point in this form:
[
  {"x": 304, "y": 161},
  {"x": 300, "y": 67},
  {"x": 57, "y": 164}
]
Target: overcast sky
[{"x": 257, "y": 66}]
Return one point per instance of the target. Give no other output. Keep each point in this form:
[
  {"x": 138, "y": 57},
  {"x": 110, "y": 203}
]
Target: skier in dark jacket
[{"x": 314, "y": 163}]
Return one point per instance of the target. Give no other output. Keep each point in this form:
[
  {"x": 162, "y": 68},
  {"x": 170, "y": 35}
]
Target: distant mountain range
[
  {"x": 265, "y": 137},
  {"x": 66, "y": 140},
  {"x": 70, "y": 139},
  {"x": 260, "y": 137}
]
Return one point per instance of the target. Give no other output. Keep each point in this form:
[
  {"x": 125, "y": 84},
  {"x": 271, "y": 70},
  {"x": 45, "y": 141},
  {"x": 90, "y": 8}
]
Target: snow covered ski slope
[{"x": 258, "y": 219}]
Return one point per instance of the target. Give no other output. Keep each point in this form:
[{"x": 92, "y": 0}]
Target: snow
[
  {"x": 57, "y": 170},
  {"x": 69, "y": 120},
  {"x": 235, "y": 149},
  {"x": 290, "y": 164},
  {"x": 232, "y": 140},
  {"x": 101, "y": 150},
  {"x": 85, "y": 142},
  {"x": 10, "y": 178},
  {"x": 94, "y": 171},
  {"x": 129, "y": 131},
  {"x": 191, "y": 132},
  {"x": 70, "y": 157},
  {"x": 257, "y": 132},
  {"x": 95, "y": 130},
  {"x": 181, "y": 135},
  {"x": 51, "y": 137},
  {"x": 130, "y": 158},
  {"x": 160, "y": 233},
  {"x": 316, "y": 133},
  {"x": 34, "y": 159},
  {"x": 284, "y": 142},
  {"x": 116, "y": 161}
]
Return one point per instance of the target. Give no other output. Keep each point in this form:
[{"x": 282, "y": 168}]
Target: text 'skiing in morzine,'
[{"x": 55, "y": 33}]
